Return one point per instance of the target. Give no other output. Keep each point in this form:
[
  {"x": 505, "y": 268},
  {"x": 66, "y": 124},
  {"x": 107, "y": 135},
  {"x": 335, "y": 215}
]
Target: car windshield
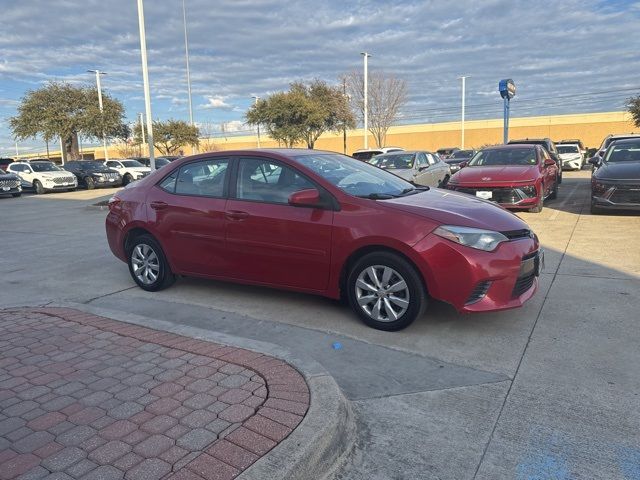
[
  {"x": 354, "y": 177},
  {"x": 504, "y": 156},
  {"x": 161, "y": 162},
  {"x": 610, "y": 140},
  {"x": 89, "y": 165},
  {"x": 366, "y": 155},
  {"x": 44, "y": 167},
  {"x": 568, "y": 149},
  {"x": 625, "y": 152},
  {"x": 393, "y": 161},
  {"x": 131, "y": 163},
  {"x": 462, "y": 154}
]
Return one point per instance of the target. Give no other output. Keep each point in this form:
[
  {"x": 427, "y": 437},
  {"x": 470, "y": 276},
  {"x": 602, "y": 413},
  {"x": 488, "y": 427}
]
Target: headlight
[
  {"x": 486, "y": 240},
  {"x": 529, "y": 190}
]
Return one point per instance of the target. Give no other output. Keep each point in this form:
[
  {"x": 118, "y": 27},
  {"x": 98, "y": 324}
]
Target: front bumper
[
  {"x": 623, "y": 196},
  {"x": 476, "y": 281},
  {"x": 107, "y": 183},
  {"x": 507, "y": 197},
  {"x": 10, "y": 190}
]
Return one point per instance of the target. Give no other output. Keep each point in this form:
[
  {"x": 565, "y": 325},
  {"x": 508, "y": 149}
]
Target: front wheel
[
  {"x": 443, "y": 183},
  {"x": 38, "y": 187},
  {"x": 540, "y": 205},
  {"x": 385, "y": 291},
  {"x": 127, "y": 179},
  {"x": 554, "y": 193},
  {"x": 148, "y": 265}
]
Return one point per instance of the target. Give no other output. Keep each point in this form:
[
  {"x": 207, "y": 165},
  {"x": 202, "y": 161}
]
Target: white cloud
[{"x": 216, "y": 102}]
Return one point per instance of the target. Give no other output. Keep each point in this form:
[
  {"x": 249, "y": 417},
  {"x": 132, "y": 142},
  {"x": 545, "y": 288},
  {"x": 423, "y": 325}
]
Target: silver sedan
[{"x": 421, "y": 168}]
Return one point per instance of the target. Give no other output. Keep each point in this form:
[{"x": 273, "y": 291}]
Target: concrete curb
[{"x": 321, "y": 441}]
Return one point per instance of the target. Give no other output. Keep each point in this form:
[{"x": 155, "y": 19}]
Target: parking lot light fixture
[
  {"x": 145, "y": 78},
  {"x": 464, "y": 83},
  {"x": 104, "y": 138},
  {"x": 366, "y": 55},
  {"x": 256, "y": 102}
]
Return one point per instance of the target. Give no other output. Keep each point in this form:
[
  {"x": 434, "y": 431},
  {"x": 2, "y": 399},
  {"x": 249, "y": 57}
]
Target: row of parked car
[
  {"x": 41, "y": 175},
  {"x": 524, "y": 173}
]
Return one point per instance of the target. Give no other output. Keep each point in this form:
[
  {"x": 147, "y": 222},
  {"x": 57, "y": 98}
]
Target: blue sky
[{"x": 565, "y": 57}]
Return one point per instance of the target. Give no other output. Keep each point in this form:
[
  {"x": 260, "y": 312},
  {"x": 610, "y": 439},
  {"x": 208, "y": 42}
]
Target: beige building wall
[{"x": 591, "y": 128}]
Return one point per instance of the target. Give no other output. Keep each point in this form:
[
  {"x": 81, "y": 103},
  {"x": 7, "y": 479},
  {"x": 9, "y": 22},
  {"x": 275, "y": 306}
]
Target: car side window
[
  {"x": 422, "y": 159},
  {"x": 15, "y": 168},
  {"x": 169, "y": 183},
  {"x": 113, "y": 164},
  {"x": 432, "y": 160},
  {"x": 205, "y": 178},
  {"x": 266, "y": 181}
]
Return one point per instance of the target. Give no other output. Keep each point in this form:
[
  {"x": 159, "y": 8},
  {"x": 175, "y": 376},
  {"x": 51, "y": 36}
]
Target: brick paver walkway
[{"x": 88, "y": 397}]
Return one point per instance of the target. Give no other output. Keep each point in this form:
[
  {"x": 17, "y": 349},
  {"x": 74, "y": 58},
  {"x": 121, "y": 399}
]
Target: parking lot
[{"x": 547, "y": 391}]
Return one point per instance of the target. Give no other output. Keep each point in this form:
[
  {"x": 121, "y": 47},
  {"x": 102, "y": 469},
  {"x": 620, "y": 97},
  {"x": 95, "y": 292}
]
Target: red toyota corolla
[
  {"x": 515, "y": 176},
  {"x": 323, "y": 223}
]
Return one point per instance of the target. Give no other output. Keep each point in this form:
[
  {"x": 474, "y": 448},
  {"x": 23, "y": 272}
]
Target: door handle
[
  {"x": 236, "y": 215},
  {"x": 158, "y": 205}
]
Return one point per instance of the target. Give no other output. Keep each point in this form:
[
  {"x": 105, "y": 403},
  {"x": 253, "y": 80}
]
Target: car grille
[
  {"x": 9, "y": 183},
  {"x": 518, "y": 234},
  {"x": 499, "y": 195},
  {"x": 525, "y": 280},
  {"x": 114, "y": 175},
  {"x": 60, "y": 180},
  {"x": 626, "y": 194},
  {"x": 478, "y": 292}
]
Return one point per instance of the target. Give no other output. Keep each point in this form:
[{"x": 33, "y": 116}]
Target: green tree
[
  {"x": 303, "y": 113},
  {"x": 633, "y": 106},
  {"x": 62, "y": 110},
  {"x": 169, "y": 136}
]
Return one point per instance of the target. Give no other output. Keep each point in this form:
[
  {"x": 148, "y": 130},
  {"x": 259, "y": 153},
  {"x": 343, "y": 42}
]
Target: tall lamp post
[
  {"x": 256, "y": 102},
  {"x": 366, "y": 99},
  {"x": 145, "y": 78},
  {"x": 464, "y": 79},
  {"x": 186, "y": 54},
  {"x": 104, "y": 138},
  {"x": 507, "y": 89},
  {"x": 141, "y": 115}
]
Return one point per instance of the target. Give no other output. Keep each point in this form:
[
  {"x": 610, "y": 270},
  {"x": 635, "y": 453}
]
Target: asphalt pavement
[{"x": 550, "y": 390}]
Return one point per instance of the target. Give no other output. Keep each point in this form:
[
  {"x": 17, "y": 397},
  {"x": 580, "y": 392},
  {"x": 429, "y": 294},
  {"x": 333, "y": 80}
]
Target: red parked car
[
  {"x": 327, "y": 224},
  {"x": 514, "y": 176}
]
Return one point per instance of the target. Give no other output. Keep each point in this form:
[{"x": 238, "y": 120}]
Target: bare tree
[
  {"x": 387, "y": 94},
  {"x": 207, "y": 142}
]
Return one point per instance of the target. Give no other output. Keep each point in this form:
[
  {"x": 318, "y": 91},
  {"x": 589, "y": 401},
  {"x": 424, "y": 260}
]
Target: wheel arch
[
  {"x": 138, "y": 230},
  {"x": 367, "y": 249}
]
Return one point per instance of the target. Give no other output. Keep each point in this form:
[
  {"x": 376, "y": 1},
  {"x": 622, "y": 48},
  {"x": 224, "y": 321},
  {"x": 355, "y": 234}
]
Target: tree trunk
[{"x": 71, "y": 147}]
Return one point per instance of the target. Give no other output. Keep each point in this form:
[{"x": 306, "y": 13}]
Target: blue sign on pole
[{"x": 507, "y": 90}]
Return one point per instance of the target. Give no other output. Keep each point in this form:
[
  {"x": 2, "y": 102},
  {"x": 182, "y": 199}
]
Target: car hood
[
  {"x": 139, "y": 169},
  {"x": 7, "y": 176},
  {"x": 62, "y": 174},
  {"x": 506, "y": 173},
  {"x": 406, "y": 173},
  {"x": 618, "y": 171},
  {"x": 451, "y": 208},
  {"x": 566, "y": 156}
]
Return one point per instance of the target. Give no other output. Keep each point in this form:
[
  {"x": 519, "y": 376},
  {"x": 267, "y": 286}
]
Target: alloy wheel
[
  {"x": 382, "y": 293},
  {"x": 145, "y": 262}
]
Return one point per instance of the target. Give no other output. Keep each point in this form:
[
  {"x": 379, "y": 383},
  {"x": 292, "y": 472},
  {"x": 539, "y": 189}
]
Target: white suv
[
  {"x": 129, "y": 169},
  {"x": 43, "y": 176},
  {"x": 368, "y": 154}
]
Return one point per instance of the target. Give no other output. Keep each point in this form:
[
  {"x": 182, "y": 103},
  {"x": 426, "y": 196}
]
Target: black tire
[
  {"x": 559, "y": 176},
  {"x": 16, "y": 195},
  {"x": 165, "y": 276},
  {"x": 89, "y": 183},
  {"x": 443, "y": 183},
  {"x": 415, "y": 290},
  {"x": 38, "y": 187},
  {"x": 540, "y": 205},
  {"x": 594, "y": 209},
  {"x": 127, "y": 179},
  {"x": 554, "y": 193}
]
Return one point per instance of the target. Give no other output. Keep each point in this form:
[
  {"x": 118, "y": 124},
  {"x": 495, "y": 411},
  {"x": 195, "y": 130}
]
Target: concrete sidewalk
[{"x": 83, "y": 396}]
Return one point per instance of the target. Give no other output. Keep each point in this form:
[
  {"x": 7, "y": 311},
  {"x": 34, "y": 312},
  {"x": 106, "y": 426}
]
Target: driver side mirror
[
  {"x": 462, "y": 164},
  {"x": 595, "y": 161},
  {"x": 309, "y": 197},
  {"x": 549, "y": 162}
]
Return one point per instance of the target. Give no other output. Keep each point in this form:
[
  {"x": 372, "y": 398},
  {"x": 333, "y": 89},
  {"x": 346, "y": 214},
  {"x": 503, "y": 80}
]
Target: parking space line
[{"x": 564, "y": 202}]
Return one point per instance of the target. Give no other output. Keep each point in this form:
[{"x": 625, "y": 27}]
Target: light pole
[
  {"x": 104, "y": 138},
  {"x": 366, "y": 99},
  {"x": 464, "y": 79},
  {"x": 256, "y": 103},
  {"x": 141, "y": 115},
  {"x": 17, "y": 153},
  {"x": 186, "y": 53},
  {"x": 145, "y": 78}
]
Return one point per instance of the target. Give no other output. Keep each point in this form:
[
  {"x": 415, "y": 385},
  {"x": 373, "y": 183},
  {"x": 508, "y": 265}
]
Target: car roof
[
  {"x": 510, "y": 146},
  {"x": 624, "y": 141}
]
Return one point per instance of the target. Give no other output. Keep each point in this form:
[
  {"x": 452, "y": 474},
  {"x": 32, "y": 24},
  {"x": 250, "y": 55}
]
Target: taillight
[{"x": 114, "y": 203}]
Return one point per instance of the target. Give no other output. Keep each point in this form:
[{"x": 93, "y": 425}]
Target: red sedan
[
  {"x": 515, "y": 176},
  {"x": 326, "y": 224}
]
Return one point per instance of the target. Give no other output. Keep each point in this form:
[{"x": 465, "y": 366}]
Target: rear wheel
[
  {"x": 554, "y": 193},
  {"x": 148, "y": 265},
  {"x": 38, "y": 187},
  {"x": 385, "y": 291},
  {"x": 90, "y": 183}
]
